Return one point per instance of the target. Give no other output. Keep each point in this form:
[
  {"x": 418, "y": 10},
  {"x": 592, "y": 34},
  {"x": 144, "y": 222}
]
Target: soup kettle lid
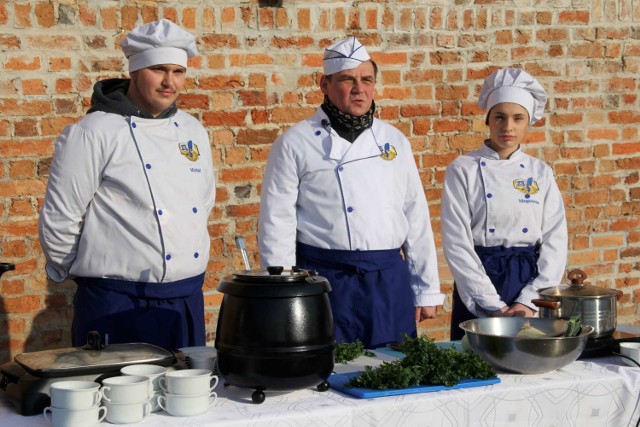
[
  {"x": 276, "y": 274},
  {"x": 274, "y": 282}
]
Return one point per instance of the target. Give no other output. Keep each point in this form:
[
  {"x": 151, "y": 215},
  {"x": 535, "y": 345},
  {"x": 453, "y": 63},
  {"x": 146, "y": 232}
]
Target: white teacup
[
  {"x": 202, "y": 360},
  {"x": 127, "y": 389},
  {"x": 186, "y": 405},
  {"x": 61, "y": 417},
  {"x": 153, "y": 372},
  {"x": 188, "y": 382},
  {"x": 126, "y": 413},
  {"x": 75, "y": 394},
  {"x": 631, "y": 350}
]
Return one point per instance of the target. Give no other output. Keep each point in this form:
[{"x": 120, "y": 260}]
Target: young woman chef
[{"x": 504, "y": 228}]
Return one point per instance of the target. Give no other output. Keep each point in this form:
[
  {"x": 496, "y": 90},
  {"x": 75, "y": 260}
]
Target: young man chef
[
  {"x": 342, "y": 196},
  {"x": 504, "y": 229},
  {"x": 130, "y": 190}
]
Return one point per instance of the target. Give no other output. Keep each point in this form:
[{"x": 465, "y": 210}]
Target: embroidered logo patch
[
  {"x": 189, "y": 150},
  {"x": 389, "y": 152},
  {"x": 526, "y": 186}
]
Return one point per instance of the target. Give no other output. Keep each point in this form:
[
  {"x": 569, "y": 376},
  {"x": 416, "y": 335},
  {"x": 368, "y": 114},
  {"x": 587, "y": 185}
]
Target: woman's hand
[
  {"x": 499, "y": 313},
  {"x": 519, "y": 310},
  {"x": 423, "y": 313},
  {"x": 516, "y": 310}
]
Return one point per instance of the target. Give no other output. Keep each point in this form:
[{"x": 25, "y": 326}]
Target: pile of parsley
[
  {"x": 424, "y": 364},
  {"x": 346, "y": 352}
]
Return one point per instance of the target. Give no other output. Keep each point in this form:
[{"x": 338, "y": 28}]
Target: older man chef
[
  {"x": 504, "y": 229},
  {"x": 128, "y": 199},
  {"x": 342, "y": 196}
]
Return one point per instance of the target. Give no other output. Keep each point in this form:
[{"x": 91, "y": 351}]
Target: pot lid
[
  {"x": 63, "y": 362},
  {"x": 276, "y": 274},
  {"x": 577, "y": 288},
  {"x": 274, "y": 282}
]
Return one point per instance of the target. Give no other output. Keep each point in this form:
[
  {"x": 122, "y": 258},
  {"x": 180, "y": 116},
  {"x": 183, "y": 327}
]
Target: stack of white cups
[
  {"x": 127, "y": 398},
  {"x": 154, "y": 373},
  {"x": 187, "y": 392},
  {"x": 75, "y": 404}
]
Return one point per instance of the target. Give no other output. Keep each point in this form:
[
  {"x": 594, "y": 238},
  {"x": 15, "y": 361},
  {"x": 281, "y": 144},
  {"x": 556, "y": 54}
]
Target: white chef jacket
[
  {"x": 129, "y": 198},
  {"x": 324, "y": 191},
  {"x": 487, "y": 201}
]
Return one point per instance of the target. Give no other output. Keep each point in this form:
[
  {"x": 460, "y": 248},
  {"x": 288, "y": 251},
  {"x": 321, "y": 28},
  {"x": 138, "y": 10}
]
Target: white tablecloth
[{"x": 594, "y": 392}]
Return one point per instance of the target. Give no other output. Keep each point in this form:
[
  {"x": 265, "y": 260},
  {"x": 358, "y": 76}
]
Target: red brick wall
[{"x": 258, "y": 74}]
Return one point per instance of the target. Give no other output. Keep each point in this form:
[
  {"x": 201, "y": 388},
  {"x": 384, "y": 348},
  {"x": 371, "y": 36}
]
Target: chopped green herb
[
  {"x": 346, "y": 352},
  {"x": 574, "y": 327},
  {"x": 424, "y": 364}
]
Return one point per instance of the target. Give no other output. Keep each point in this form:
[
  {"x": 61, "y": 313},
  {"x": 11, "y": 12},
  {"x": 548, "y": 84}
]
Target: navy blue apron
[
  {"x": 371, "y": 297},
  {"x": 509, "y": 269},
  {"x": 169, "y": 315}
]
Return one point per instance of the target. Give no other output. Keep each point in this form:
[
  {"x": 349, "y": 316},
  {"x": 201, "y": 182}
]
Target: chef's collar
[{"x": 490, "y": 153}]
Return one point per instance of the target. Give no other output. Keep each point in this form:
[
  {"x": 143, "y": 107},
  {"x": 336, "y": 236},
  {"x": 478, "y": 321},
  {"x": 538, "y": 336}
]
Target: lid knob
[
  {"x": 94, "y": 341},
  {"x": 577, "y": 277},
  {"x": 275, "y": 270}
]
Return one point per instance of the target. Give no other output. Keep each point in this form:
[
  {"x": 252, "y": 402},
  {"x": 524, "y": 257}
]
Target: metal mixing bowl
[{"x": 495, "y": 340}]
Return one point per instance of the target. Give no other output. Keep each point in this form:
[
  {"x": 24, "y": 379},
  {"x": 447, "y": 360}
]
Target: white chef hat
[
  {"x": 158, "y": 42},
  {"x": 516, "y": 86},
  {"x": 344, "y": 55}
]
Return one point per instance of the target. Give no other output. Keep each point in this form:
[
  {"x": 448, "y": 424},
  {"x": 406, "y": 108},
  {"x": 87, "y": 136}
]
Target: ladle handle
[{"x": 243, "y": 249}]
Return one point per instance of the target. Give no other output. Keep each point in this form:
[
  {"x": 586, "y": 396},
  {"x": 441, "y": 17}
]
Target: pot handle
[
  {"x": 619, "y": 294},
  {"x": 543, "y": 303}
]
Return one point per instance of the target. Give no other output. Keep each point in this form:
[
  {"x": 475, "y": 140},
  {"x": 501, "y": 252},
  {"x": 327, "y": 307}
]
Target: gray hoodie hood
[{"x": 110, "y": 96}]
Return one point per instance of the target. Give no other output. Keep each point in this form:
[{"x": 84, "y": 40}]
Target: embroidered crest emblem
[
  {"x": 189, "y": 150},
  {"x": 526, "y": 186},
  {"x": 389, "y": 152}
]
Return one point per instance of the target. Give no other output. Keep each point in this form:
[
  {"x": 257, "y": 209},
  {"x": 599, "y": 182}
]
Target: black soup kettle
[{"x": 275, "y": 330}]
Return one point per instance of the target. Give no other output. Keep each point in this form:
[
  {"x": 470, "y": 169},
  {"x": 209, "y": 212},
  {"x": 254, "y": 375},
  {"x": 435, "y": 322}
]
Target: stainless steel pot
[{"x": 596, "y": 306}]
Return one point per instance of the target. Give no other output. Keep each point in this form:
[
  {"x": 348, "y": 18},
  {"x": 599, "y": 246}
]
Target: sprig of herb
[
  {"x": 424, "y": 364},
  {"x": 346, "y": 352},
  {"x": 574, "y": 327}
]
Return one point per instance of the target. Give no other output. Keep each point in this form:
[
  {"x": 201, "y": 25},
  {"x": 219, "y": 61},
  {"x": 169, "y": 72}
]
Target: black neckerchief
[{"x": 347, "y": 126}]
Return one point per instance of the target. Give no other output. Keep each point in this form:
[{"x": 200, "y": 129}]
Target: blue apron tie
[
  {"x": 509, "y": 269},
  {"x": 370, "y": 297},
  {"x": 169, "y": 315}
]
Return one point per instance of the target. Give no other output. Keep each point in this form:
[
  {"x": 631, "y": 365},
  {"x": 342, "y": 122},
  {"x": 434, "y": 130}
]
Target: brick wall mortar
[{"x": 258, "y": 74}]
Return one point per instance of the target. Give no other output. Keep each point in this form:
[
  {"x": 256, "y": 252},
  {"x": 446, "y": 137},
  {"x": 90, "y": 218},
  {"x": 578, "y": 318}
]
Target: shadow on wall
[
  {"x": 4, "y": 343},
  {"x": 51, "y": 327}
]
